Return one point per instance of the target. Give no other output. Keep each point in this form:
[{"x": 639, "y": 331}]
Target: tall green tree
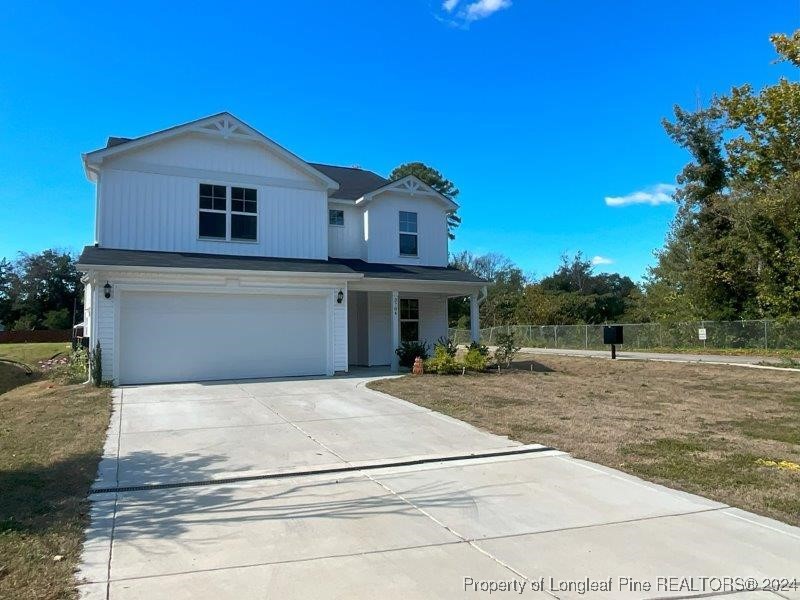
[
  {"x": 725, "y": 256},
  {"x": 437, "y": 181}
]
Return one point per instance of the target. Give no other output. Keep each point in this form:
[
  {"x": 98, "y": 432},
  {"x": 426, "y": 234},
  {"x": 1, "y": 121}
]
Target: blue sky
[{"x": 537, "y": 110}]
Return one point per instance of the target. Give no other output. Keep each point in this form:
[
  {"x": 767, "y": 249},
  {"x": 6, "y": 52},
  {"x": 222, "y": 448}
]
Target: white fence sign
[{"x": 701, "y": 334}]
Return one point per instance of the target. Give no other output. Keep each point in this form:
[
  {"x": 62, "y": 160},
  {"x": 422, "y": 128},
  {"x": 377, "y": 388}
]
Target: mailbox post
[{"x": 612, "y": 334}]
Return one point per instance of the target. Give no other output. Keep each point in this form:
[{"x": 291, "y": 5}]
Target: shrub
[
  {"x": 480, "y": 348},
  {"x": 442, "y": 362},
  {"x": 475, "y": 360},
  {"x": 506, "y": 348},
  {"x": 96, "y": 365},
  {"x": 408, "y": 351},
  {"x": 68, "y": 369},
  {"x": 447, "y": 344}
]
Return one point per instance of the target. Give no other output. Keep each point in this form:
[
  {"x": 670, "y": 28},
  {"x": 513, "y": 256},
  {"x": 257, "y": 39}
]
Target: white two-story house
[{"x": 219, "y": 254}]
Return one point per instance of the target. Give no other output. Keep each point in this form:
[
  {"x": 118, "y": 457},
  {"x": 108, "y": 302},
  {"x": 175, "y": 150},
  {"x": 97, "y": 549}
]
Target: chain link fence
[{"x": 763, "y": 334}]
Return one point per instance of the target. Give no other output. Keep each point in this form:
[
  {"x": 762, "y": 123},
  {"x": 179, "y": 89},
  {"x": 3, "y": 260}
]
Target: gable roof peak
[{"x": 224, "y": 123}]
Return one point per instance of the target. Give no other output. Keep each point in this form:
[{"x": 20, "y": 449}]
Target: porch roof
[
  {"x": 417, "y": 273},
  {"x": 93, "y": 257}
]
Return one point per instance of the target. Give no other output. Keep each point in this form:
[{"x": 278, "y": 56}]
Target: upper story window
[
  {"x": 213, "y": 211},
  {"x": 408, "y": 233},
  {"x": 336, "y": 217},
  {"x": 244, "y": 214},
  {"x": 228, "y": 213}
]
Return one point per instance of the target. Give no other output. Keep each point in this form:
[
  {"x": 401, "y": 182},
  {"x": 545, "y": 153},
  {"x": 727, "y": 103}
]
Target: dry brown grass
[
  {"x": 699, "y": 428},
  {"x": 51, "y": 436}
]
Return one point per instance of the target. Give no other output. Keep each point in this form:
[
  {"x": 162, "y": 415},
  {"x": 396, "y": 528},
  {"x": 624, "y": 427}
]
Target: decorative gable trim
[
  {"x": 223, "y": 125},
  {"x": 412, "y": 186}
]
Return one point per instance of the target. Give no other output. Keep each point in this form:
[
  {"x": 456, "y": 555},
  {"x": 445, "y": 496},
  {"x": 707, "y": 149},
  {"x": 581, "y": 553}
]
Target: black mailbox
[{"x": 612, "y": 334}]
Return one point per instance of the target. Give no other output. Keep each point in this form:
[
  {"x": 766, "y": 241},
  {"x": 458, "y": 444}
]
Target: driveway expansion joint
[{"x": 348, "y": 468}]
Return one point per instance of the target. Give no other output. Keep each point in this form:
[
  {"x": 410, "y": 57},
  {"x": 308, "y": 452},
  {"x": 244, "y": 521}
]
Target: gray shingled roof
[
  {"x": 353, "y": 182},
  {"x": 112, "y": 257},
  {"x": 116, "y": 141},
  {"x": 389, "y": 271}
]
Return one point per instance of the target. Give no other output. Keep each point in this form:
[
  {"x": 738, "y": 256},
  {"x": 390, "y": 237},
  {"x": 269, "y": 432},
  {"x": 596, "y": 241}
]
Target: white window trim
[
  {"x": 215, "y": 211},
  {"x": 330, "y": 210},
  {"x": 228, "y": 212},
  {"x": 402, "y": 320},
  {"x": 245, "y": 214},
  {"x": 414, "y": 233}
]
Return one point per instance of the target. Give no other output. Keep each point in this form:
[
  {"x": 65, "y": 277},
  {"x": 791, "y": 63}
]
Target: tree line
[
  {"x": 40, "y": 291},
  {"x": 573, "y": 293}
]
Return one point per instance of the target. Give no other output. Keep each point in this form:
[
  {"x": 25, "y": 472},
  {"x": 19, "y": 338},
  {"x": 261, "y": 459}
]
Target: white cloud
[
  {"x": 461, "y": 15},
  {"x": 449, "y": 5},
  {"x": 601, "y": 260},
  {"x": 480, "y": 9},
  {"x": 654, "y": 195}
]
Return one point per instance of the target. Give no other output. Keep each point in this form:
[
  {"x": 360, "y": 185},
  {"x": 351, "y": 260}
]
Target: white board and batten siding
[
  {"x": 340, "y": 333},
  {"x": 383, "y": 239},
  {"x": 432, "y": 317},
  {"x": 347, "y": 241},
  {"x": 105, "y": 319},
  {"x": 149, "y": 199}
]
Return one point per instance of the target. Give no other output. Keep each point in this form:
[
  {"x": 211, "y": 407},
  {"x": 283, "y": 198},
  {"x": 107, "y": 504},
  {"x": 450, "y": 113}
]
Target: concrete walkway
[{"x": 542, "y": 522}]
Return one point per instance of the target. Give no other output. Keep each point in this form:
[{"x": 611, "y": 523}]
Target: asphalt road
[{"x": 674, "y": 357}]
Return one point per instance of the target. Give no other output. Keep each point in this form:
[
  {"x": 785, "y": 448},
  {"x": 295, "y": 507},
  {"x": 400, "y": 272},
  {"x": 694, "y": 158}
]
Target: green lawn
[{"x": 31, "y": 354}]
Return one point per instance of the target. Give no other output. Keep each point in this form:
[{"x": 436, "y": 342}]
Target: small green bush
[
  {"x": 441, "y": 362},
  {"x": 480, "y": 348},
  {"x": 447, "y": 344},
  {"x": 408, "y": 351},
  {"x": 96, "y": 365},
  {"x": 507, "y": 348},
  {"x": 475, "y": 361},
  {"x": 71, "y": 369}
]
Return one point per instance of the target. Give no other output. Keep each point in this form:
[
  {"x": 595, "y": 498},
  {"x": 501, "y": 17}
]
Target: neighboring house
[{"x": 219, "y": 254}]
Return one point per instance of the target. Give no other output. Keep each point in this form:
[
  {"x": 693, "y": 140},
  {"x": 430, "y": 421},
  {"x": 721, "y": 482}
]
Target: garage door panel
[{"x": 195, "y": 336}]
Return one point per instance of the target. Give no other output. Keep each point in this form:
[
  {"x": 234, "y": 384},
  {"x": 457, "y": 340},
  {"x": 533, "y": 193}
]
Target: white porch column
[
  {"x": 474, "y": 318},
  {"x": 395, "y": 310}
]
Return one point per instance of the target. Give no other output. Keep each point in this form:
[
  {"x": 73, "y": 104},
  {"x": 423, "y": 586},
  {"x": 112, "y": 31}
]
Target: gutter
[{"x": 84, "y": 268}]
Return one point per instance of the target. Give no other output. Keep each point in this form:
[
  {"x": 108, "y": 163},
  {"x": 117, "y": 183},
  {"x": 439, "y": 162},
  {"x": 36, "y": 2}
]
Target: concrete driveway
[{"x": 291, "y": 489}]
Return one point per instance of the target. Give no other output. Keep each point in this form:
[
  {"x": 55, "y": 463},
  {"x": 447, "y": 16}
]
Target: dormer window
[
  {"x": 228, "y": 213},
  {"x": 408, "y": 233}
]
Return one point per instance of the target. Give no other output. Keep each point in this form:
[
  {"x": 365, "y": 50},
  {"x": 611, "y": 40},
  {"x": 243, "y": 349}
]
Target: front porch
[{"x": 379, "y": 320}]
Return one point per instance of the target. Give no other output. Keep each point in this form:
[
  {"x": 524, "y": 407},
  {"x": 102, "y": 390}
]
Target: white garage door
[{"x": 194, "y": 337}]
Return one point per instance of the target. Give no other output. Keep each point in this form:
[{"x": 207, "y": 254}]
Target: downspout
[{"x": 483, "y": 294}]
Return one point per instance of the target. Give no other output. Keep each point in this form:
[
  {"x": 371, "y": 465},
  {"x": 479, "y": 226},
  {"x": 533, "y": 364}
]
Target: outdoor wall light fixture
[
  {"x": 339, "y": 297},
  {"x": 107, "y": 290}
]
